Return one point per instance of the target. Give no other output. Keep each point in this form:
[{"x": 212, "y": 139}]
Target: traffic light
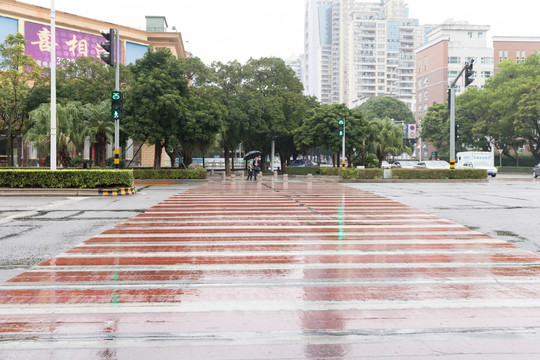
[
  {"x": 117, "y": 101},
  {"x": 108, "y": 46},
  {"x": 469, "y": 73},
  {"x": 341, "y": 124}
]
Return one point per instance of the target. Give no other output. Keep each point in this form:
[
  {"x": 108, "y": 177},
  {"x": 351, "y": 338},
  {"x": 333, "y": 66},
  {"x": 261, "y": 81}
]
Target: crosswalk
[{"x": 278, "y": 271}]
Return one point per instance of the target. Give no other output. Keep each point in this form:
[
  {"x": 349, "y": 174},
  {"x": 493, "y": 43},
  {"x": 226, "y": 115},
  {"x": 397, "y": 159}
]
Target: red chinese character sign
[{"x": 69, "y": 44}]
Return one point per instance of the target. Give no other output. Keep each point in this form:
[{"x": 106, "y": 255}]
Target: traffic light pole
[
  {"x": 343, "y": 146},
  {"x": 467, "y": 69},
  {"x": 117, "y": 88},
  {"x": 452, "y": 127}
]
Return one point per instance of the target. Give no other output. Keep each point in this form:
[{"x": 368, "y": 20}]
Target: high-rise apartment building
[{"x": 356, "y": 50}]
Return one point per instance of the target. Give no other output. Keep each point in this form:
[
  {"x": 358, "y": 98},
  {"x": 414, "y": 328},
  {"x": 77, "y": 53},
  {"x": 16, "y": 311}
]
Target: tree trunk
[
  {"x": 227, "y": 160},
  {"x": 158, "y": 148}
]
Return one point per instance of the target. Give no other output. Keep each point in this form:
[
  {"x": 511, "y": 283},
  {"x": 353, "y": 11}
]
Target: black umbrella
[{"x": 250, "y": 155}]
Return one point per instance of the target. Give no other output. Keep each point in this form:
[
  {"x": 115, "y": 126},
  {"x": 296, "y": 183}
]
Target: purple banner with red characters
[{"x": 69, "y": 44}]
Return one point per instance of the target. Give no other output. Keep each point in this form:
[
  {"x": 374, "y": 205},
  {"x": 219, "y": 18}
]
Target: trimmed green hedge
[
  {"x": 303, "y": 170},
  {"x": 371, "y": 173},
  {"x": 162, "y": 174},
  {"x": 438, "y": 174},
  {"x": 65, "y": 178},
  {"x": 515, "y": 169},
  {"x": 330, "y": 171}
]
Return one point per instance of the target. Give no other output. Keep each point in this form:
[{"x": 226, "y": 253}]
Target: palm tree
[
  {"x": 386, "y": 138},
  {"x": 70, "y": 129},
  {"x": 100, "y": 128}
]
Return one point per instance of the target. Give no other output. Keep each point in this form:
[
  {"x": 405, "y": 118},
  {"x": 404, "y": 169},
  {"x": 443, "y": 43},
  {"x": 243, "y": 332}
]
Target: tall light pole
[{"x": 52, "y": 157}]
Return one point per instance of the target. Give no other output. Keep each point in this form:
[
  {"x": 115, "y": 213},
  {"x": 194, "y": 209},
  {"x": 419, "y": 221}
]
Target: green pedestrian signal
[
  {"x": 341, "y": 124},
  {"x": 117, "y": 100}
]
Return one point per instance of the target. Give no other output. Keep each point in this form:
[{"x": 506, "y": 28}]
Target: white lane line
[
  {"x": 286, "y": 234},
  {"x": 293, "y": 283},
  {"x": 460, "y": 266},
  {"x": 254, "y": 227},
  {"x": 287, "y": 242},
  {"x": 268, "y": 306}
]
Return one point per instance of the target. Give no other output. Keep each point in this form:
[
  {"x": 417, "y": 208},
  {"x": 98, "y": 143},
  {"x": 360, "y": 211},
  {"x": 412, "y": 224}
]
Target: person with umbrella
[
  {"x": 256, "y": 167},
  {"x": 254, "y": 154}
]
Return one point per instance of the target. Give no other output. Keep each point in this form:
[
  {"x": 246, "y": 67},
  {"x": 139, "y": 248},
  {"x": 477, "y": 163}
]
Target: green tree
[
  {"x": 381, "y": 107},
  {"x": 528, "y": 119},
  {"x": 19, "y": 74},
  {"x": 100, "y": 128},
  {"x": 386, "y": 138},
  {"x": 436, "y": 127},
  {"x": 204, "y": 120},
  {"x": 70, "y": 129},
  {"x": 156, "y": 103},
  {"x": 274, "y": 104},
  {"x": 321, "y": 129},
  {"x": 229, "y": 79}
]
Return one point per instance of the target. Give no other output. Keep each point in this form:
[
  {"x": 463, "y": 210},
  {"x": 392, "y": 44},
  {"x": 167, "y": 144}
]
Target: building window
[
  {"x": 500, "y": 55},
  {"x": 505, "y": 54},
  {"x": 426, "y": 59},
  {"x": 420, "y": 83},
  {"x": 426, "y": 82},
  {"x": 454, "y": 60},
  {"x": 425, "y": 95},
  {"x": 480, "y": 35},
  {"x": 419, "y": 97},
  {"x": 425, "y": 108},
  {"x": 469, "y": 34},
  {"x": 487, "y": 60},
  {"x": 517, "y": 56},
  {"x": 487, "y": 74},
  {"x": 522, "y": 55}
]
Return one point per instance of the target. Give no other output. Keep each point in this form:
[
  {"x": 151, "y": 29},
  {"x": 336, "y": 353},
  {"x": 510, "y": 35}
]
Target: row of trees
[
  {"x": 506, "y": 113},
  {"x": 184, "y": 107}
]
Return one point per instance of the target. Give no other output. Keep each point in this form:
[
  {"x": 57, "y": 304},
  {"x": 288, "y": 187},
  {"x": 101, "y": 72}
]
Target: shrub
[
  {"x": 303, "y": 170},
  {"x": 330, "y": 171},
  {"x": 67, "y": 178},
  {"x": 350, "y": 173},
  {"x": 437, "y": 174},
  {"x": 199, "y": 173}
]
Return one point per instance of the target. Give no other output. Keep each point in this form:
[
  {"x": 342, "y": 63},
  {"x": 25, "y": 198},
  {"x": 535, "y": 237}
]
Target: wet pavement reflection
[{"x": 238, "y": 270}]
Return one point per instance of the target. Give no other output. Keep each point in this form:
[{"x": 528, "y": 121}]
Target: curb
[
  {"x": 65, "y": 192},
  {"x": 117, "y": 192}
]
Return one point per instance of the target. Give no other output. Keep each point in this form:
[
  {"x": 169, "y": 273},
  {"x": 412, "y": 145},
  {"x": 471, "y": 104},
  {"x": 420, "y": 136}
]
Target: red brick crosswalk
[{"x": 277, "y": 271}]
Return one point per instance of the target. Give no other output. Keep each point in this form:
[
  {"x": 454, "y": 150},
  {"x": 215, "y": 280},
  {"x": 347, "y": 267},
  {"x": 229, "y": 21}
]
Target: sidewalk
[{"x": 278, "y": 270}]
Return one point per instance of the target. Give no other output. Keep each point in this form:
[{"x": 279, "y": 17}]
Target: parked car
[
  {"x": 404, "y": 164},
  {"x": 433, "y": 164},
  {"x": 536, "y": 171},
  {"x": 301, "y": 162},
  {"x": 491, "y": 170}
]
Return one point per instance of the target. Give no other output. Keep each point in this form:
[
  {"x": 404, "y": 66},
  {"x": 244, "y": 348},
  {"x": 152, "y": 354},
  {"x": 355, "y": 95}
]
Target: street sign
[{"x": 500, "y": 151}]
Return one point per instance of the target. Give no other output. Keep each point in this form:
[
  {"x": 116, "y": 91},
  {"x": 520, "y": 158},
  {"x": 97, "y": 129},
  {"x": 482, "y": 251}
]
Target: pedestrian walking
[
  {"x": 256, "y": 167},
  {"x": 250, "y": 170}
]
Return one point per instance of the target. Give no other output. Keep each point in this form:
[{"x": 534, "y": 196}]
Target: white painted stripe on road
[
  {"x": 258, "y": 283},
  {"x": 252, "y": 227},
  {"x": 268, "y": 306},
  {"x": 285, "y": 235},
  {"x": 287, "y": 242},
  {"x": 288, "y": 266}
]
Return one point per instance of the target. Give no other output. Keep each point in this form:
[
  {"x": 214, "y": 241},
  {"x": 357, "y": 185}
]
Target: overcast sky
[{"x": 225, "y": 30}]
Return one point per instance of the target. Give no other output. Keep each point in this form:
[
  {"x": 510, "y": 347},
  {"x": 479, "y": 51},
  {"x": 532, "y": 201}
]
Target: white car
[
  {"x": 433, "y": 164},
  {"x": 491, "y": 170}
]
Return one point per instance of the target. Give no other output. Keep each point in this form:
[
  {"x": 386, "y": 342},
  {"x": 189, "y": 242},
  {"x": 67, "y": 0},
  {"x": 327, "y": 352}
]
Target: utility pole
[
  {"x": 467, "y": 69},
  {"x": 52, "y": 156}
]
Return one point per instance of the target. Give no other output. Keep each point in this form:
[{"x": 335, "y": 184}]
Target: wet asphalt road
[
  {"x": 506, "y": 207},
  {"x": 278, "y": 271},
  {"x": 34, "y": 229}
]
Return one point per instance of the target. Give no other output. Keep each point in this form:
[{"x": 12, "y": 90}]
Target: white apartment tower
[{"x": 356, "y": 50}]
